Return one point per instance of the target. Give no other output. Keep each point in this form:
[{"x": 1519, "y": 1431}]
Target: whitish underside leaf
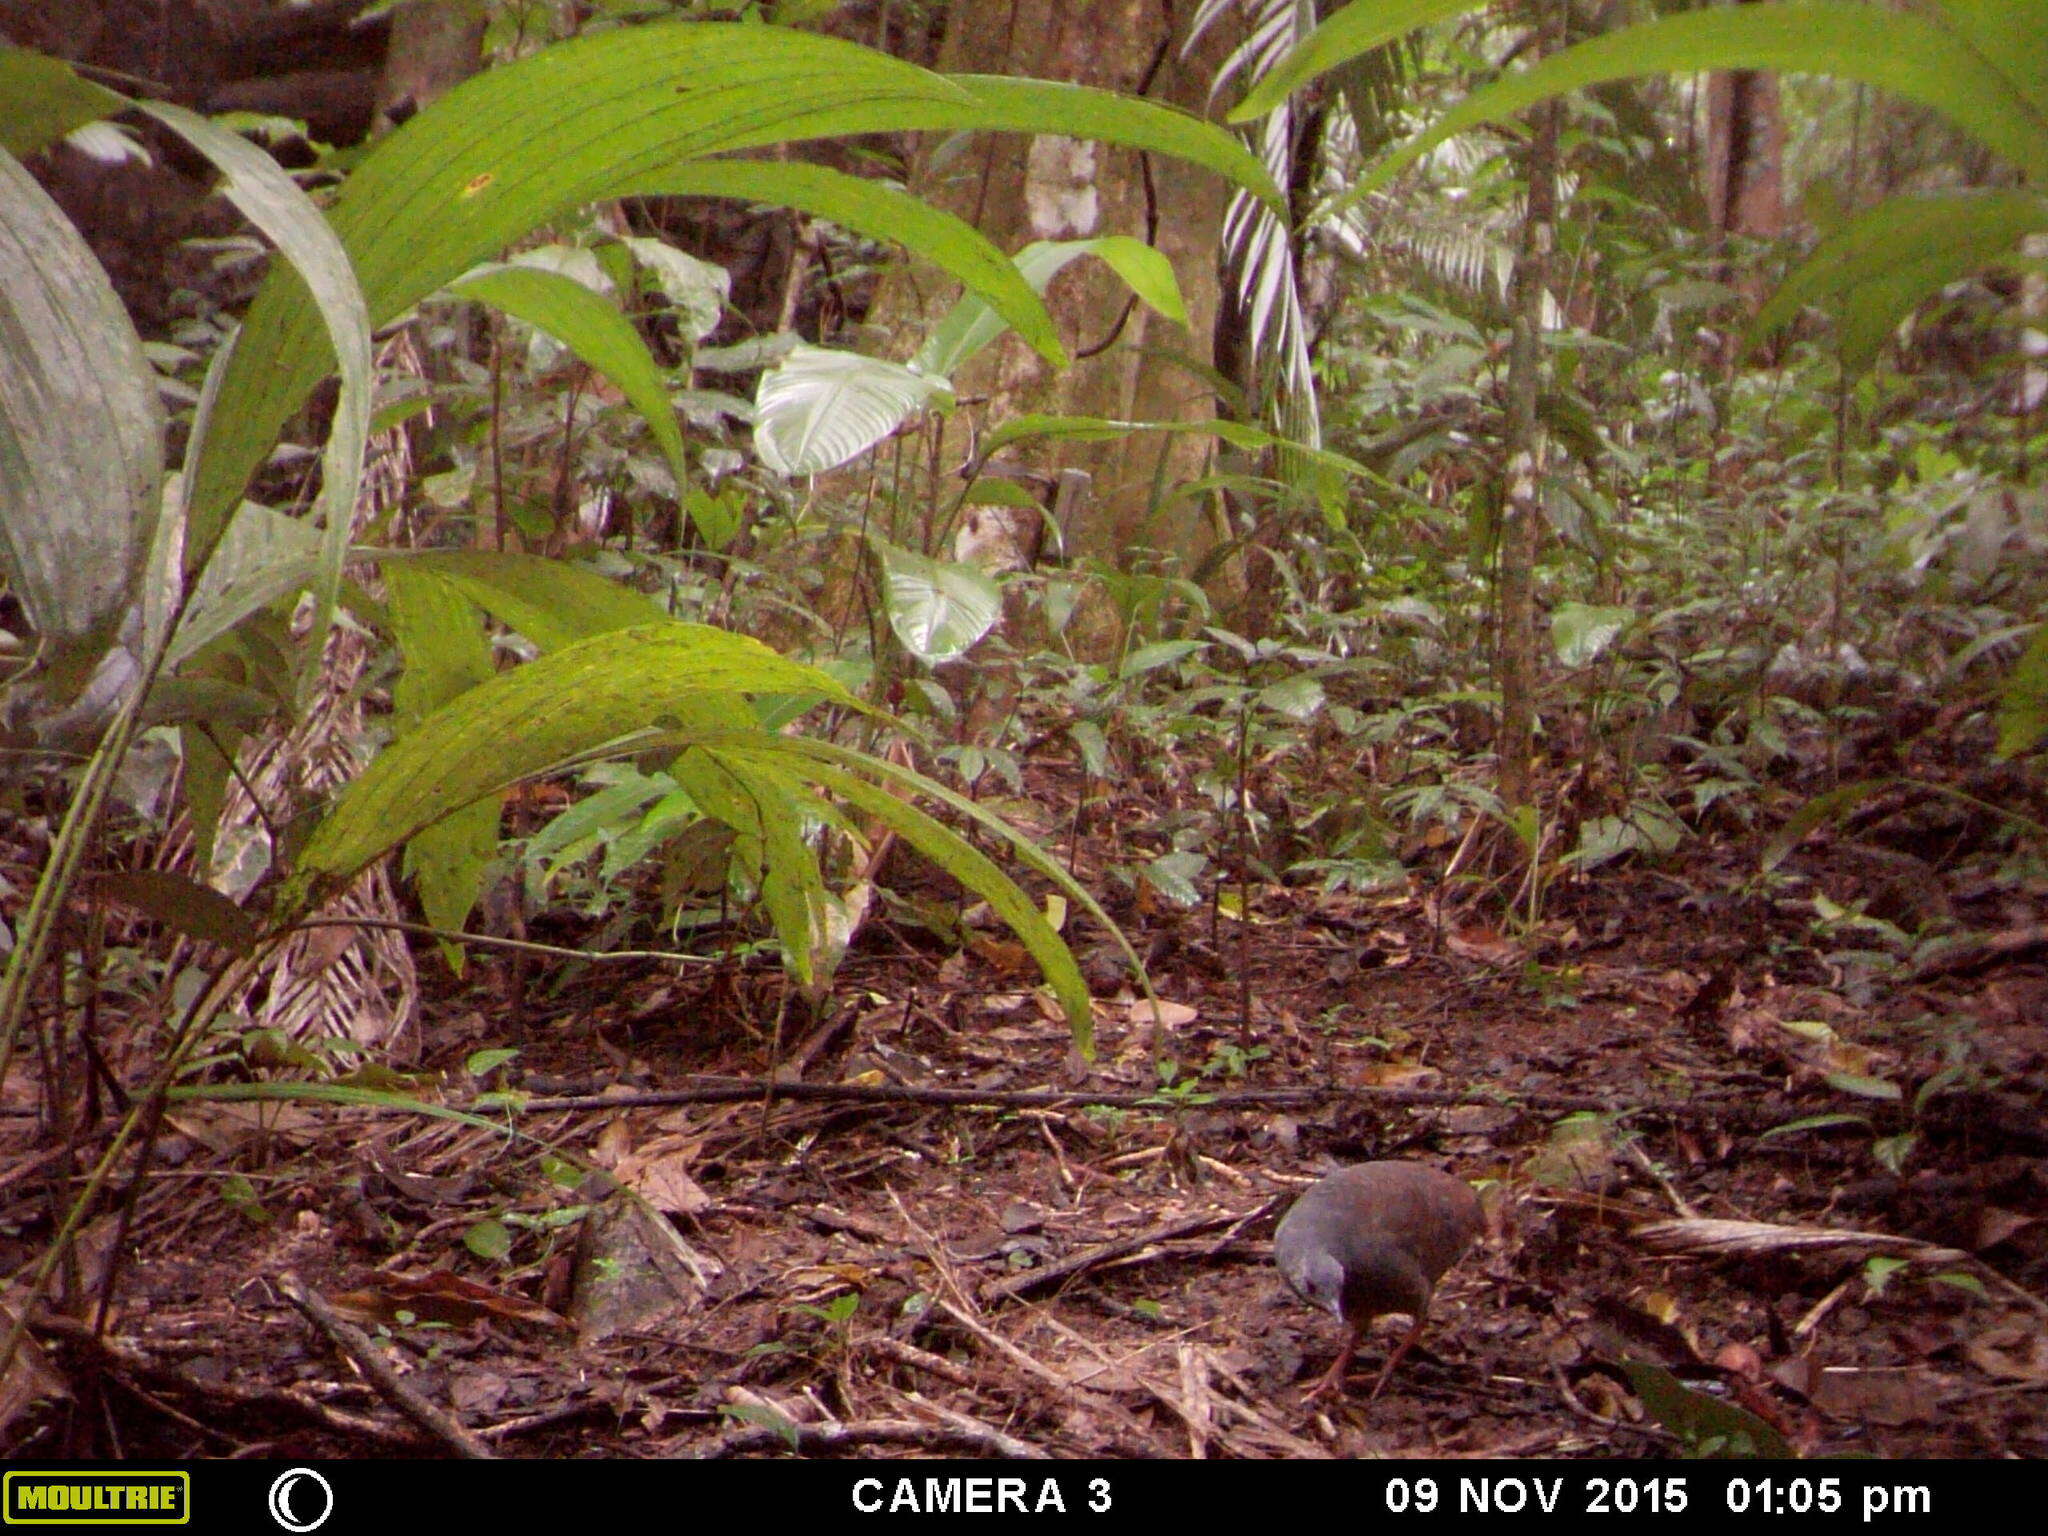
[
  {"x": 937, "y": 609},
  {"x": 818, "y": 408},
  {"x": 316, "y": 266}
]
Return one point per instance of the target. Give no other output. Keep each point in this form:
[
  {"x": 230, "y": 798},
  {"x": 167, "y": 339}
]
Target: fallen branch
[{"x": 357, "y": 1347}]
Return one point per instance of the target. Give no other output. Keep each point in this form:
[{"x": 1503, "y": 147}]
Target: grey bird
[{"x": 1372, "y": 1239}]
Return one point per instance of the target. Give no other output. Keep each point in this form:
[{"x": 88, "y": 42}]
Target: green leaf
[
  {"x": 1817, "y": 812},
  {"x": 973, "y": 323},
  {"x": 1298, "y": 698},
  {"x": 440, "y": 635},
  {"x": 1081, "y": 112},
  {"x": 1706, "y": 1424},
  {"x": 264, "y": 556},
  {"x": 488, "y": 1239},
  {"x": 1919, "y": 55},
  {"x": 527, "y": 721},
  {"x": 1173, "y": 876},
  {"x": 973, "y": 869},
  {"x": 819, "y": 407},
  {"x": 2023, "y": 702},
  {"x": 937, "y": 609},
  {"x": 1864, "y": 1087},
  {"x": 1161, "y": 653},
  {"x": 593, "y": 328},
  {"x": 41, "y": 100},
  {"x": 882, "y": 212},
  {"x": 598, "y": 117},
  {"x": 81, "y": 431},
  {"x": 1581, "y": 631},
  {"x": 1873, "y": 270},
  {"x": 552, "y": 602}
]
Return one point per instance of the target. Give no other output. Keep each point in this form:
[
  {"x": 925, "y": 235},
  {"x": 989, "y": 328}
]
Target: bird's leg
[
  {"x": 1332, "y": 1380},
  {"x": 1396, "y": 1357}
]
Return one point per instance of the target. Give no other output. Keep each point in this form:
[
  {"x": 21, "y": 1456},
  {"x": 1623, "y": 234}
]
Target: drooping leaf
[
  {"x": 440, "y": 636},
  {"x": 593, "y": 328},
  {"x": 973, "y": 323},
  {"x": 1921, "y": 55},
  {"x": 81, "y": 431},
  {"x": 529, "y": 720},
  {"x": 1874, "y": 269}
]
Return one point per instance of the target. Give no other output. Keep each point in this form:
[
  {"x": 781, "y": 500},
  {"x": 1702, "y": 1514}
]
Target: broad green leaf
[
  {"x": 1082, "y": 112},
  {"x": 2023, "y": 702},
  {"x": 819, "y": 408},
  {"x": 1919, "y": 55},
  {"x": 1580, "y": 632},
  {"x": 440, "y": 636},
  {"x": 697, "y": 289},
  {"x": 882, "y": 212},
  {"x": 1173, "y": 875},
  {"x": 552, "y": 602},
  {"x": 593, "y": 328},
  {"x": 41, "y": 100},
  {"x": 1707, "y": 1425},
  {"x": 973, "y": 323},
  {"x": 1878, "y": 266},
  {"x": 937, "y": 609},
  {"x": 597, "y": 117},
  {"x": 534, "y": 718},
  {"x": 1354, "y": 30},
  {"x": 81, "y": 431},
  {"x": 1161, "y": 653}
]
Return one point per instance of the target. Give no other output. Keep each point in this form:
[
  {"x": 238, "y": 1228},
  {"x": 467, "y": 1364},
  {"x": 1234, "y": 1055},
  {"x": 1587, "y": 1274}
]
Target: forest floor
[{"x": 965, "y": 1239}]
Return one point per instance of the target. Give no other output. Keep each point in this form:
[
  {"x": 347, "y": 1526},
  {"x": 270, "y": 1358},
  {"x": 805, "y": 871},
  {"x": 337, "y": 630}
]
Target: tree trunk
[
  {"x": 1018, "y": 190},
  {"x": 1527, "y": 450}
]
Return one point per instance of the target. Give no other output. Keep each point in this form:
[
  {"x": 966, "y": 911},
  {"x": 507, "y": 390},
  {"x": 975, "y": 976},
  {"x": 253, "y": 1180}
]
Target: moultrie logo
[{"x": 97, "y": 1498}]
